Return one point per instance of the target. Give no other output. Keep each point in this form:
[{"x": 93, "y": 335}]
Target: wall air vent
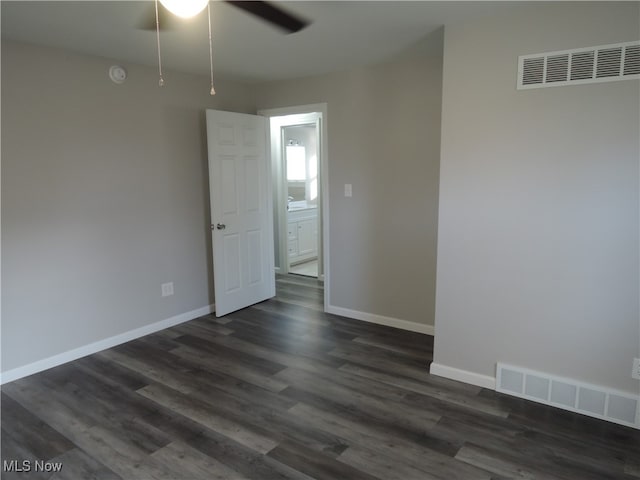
[
  {"x": 605, "y": 63},
  {"x": 568, "y": 394}
]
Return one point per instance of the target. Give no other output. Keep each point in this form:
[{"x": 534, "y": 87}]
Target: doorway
[
  {"x": 299, "y": 177},
  {"x": 301, "y": 182}
]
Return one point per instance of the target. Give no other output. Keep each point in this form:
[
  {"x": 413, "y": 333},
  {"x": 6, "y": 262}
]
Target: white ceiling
[{"x": 343, "y": 34}]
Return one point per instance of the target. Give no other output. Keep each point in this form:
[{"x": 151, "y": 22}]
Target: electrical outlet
[
  {"x": 636, "y": 369},
  {"x": 167, "y": 289}
]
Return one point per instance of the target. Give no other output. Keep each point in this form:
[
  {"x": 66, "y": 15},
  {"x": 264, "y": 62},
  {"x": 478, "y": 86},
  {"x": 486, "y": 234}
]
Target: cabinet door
[
  {"x": 292, "y": 243},
  {"x": 307, "y": 237},
  {"x": 292, "y": 230},
  {"x": 293, "y": 249}
]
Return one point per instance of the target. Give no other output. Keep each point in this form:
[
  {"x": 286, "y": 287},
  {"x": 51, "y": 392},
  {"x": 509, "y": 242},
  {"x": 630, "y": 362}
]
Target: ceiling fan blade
[
  {"x": 272, "y": 14},
  {"x": 167, "y": 20}
]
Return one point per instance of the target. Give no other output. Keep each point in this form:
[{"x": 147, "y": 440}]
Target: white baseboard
[
  {"x": 465, "y": 376},
  {"x": 381, "y": 320},
  {"x": 70, "y": 355}
]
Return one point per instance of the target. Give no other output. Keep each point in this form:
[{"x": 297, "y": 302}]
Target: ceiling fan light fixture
[{"x": 185, "y": 8}]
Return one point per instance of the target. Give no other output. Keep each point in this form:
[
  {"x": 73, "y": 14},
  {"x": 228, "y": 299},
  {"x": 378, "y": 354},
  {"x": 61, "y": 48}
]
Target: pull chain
[
  {"x": 161, "y": 81},
  {"x": 213, "y": 90}
]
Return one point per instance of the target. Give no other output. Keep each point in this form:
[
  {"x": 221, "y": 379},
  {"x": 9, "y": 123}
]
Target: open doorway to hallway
[{"x": 298, "y": 161}]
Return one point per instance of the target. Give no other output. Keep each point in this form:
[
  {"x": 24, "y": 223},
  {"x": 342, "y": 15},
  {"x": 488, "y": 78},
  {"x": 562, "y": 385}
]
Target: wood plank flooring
[{"x": 284, "y": 391}]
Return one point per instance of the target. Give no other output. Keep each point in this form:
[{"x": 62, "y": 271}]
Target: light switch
[
  {"x": 348, "y": 192},
  {"x": 167, "y": 289}
]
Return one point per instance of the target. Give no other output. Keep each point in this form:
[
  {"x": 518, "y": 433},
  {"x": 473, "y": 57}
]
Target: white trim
[
  {"x": 76, "y": 353},
  {"x": 276, "y": 126},
  {"x": 298, "y": 109},
  {"x": 484, "y": 381},
  {"x": 381, "y": 320},
  {"x": 324, "y": 186}
]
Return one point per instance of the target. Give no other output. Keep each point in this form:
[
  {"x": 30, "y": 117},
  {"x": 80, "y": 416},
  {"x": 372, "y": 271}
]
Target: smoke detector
[{"x": 117, "y": 74}]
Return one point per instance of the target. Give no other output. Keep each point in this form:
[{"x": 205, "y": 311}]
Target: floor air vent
[
  {"x": 606, "y": 63},
  {"x": 592, "y": 400}
]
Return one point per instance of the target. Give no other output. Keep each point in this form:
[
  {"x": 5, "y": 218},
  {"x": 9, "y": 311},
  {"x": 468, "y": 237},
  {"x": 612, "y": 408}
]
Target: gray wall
[
  {"x": 384, "y": 139},
  {"x": 538, "y": 235},
  {"x": 104, "y": 197}
]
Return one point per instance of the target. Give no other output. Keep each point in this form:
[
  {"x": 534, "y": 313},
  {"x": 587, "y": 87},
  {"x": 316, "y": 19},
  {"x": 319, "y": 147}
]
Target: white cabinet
[{"x": 302, "y": 235}]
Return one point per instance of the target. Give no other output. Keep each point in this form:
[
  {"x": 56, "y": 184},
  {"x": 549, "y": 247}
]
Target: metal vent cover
[
  {"x": 604, "y": 63},
  {"x": 569, "y": 394}
]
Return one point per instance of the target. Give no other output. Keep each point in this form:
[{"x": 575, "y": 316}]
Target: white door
[{"x": 241, "y": 210}]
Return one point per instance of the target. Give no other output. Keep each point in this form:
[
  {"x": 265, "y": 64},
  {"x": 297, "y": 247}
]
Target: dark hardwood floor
[{"x": 282, "y": 390}]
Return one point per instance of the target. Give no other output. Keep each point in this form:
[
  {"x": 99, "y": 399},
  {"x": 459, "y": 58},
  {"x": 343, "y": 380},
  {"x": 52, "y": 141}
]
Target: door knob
[{"x": 221, "y": 226}]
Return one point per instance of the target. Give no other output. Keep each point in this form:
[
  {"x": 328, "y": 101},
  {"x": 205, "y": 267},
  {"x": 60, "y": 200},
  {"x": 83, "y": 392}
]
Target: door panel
[
  {"x": 231, "y": 246},
  {"x": 254, "y": 252},
  {"x": 228, "y": 185},
  {"x": 252, "y": 184},
  {"x": 241, "y": 212}
]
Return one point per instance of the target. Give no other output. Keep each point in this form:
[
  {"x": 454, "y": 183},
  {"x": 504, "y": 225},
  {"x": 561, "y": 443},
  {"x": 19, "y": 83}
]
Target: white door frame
[
  {"x": 279, "y": 172},
  {"x": 323, "y": 217}
]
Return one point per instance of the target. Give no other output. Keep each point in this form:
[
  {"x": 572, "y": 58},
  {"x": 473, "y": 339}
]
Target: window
[{"x": 296, "y": 163}]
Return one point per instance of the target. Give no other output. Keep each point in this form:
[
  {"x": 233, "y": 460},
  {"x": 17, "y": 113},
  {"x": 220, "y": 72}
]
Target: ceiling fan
[
  {"x": 162, "y": 15},
  {"x": 266, "y": 11}
]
